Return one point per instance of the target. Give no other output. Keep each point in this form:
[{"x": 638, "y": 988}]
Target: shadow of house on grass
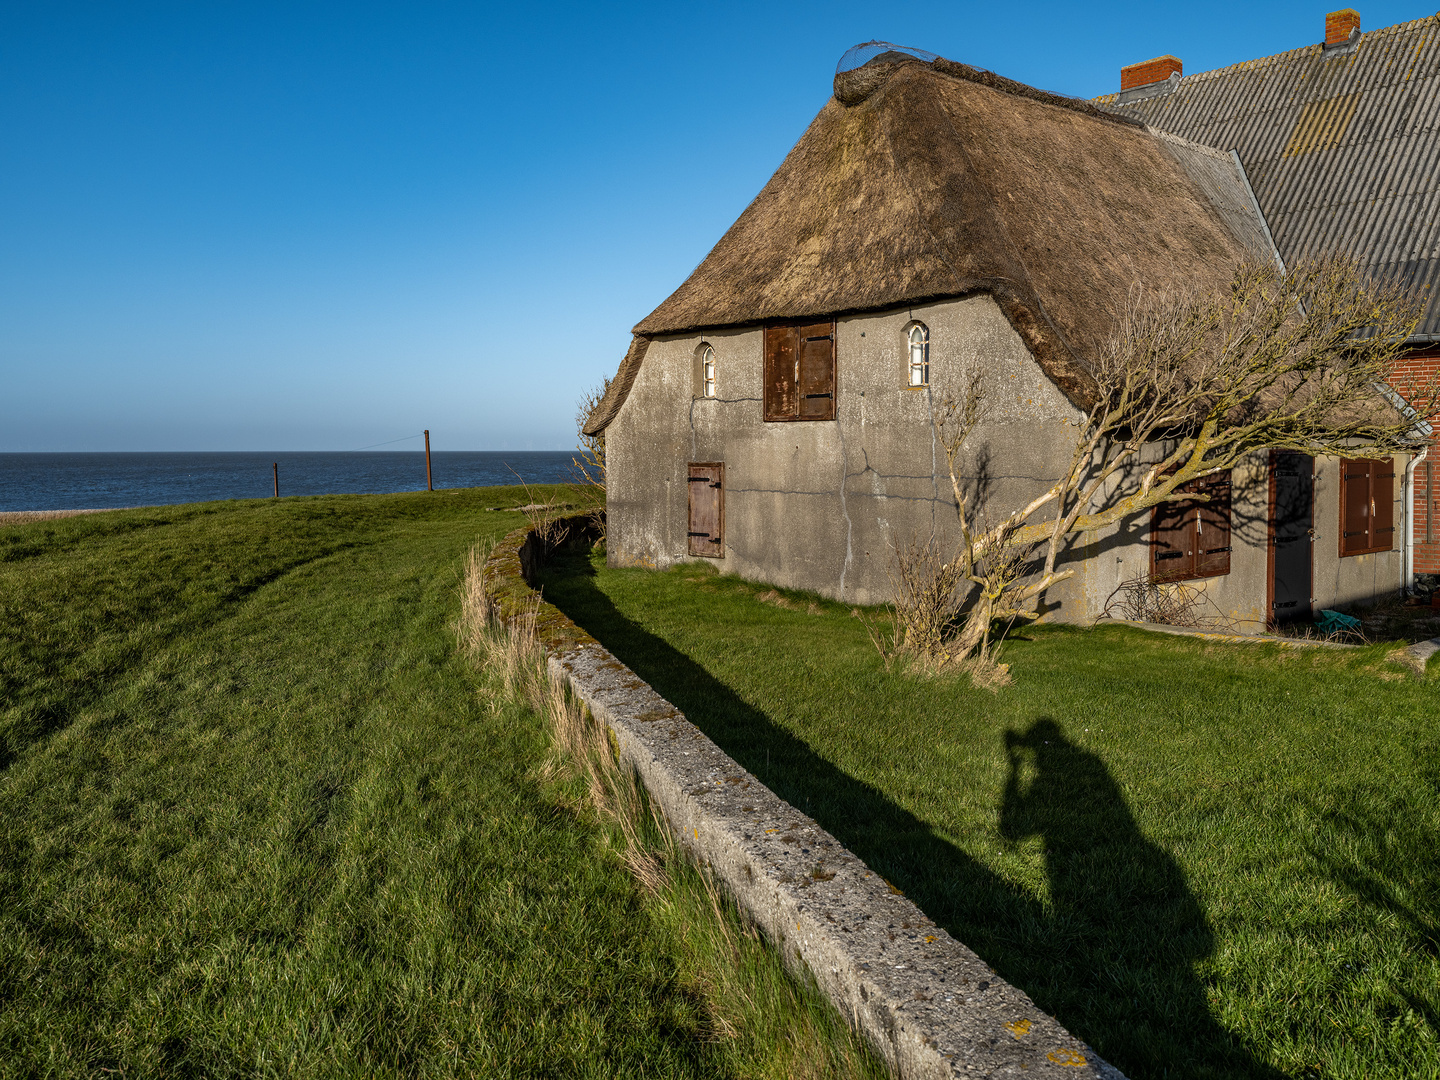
[{"x": 1111, "y": 954}]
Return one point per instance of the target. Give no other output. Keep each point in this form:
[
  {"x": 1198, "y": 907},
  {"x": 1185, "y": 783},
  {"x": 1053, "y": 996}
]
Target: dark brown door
[
  {"x": 1292, "y": 535},
  {"x": 707, "y": 508}
]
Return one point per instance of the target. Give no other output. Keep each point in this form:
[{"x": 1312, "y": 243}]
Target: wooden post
[
  {"x": 276, "y": 469},
  {"x": 429, "y": 485}
]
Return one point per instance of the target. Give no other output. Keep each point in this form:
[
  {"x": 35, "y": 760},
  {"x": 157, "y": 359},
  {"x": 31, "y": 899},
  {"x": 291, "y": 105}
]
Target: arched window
[
  {"x": 707, "y": 371},
  {"x": 918, "y": 344}
]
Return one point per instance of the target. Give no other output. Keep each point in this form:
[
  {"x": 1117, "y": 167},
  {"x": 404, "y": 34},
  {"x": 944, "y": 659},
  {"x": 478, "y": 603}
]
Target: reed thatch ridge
[{"x": 939, "y": 181}]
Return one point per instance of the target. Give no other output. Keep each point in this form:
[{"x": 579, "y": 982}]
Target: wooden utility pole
[
  {"x": 429, "y": 484},
  {"x": 276, "y": 469}
]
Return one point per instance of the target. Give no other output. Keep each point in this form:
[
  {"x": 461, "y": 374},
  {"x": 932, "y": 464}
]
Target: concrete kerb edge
[
  {"x": 1423, "y": 650},
  {"x": 927, "y": 1004}
]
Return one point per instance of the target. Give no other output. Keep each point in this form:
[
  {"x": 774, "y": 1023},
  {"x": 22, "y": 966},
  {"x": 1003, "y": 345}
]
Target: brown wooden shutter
[
  {"x": 800, "y": 372},
  {"x": 781, "y": 372},
  {"x": 1212, "y": 552},
  {"x": 817, "y": 372},
  {"x": 707, "y": 508},
  {"x": 1354, "y": 506},
  {"x": 1382, "y": 504},
  {"x": 1172, "y": 541}
]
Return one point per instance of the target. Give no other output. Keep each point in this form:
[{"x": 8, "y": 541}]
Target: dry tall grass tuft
[
  {"x": 24, "y": 517},
  {"x": 513, "y": 654},
  {"x": 749, "y": 999}
]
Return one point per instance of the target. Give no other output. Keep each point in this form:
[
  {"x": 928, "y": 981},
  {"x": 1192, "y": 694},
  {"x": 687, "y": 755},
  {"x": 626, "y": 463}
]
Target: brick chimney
[
  {"x": 1157, "y": 70},
  {"x": 1339, "y": 24}
]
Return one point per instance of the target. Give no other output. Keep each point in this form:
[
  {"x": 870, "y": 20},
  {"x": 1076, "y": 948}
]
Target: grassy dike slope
[{"x": 258, "y": 818}]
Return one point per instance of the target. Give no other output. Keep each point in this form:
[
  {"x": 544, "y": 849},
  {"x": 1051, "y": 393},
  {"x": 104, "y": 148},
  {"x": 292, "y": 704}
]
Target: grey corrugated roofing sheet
[{"x": 1341, "y": 145}]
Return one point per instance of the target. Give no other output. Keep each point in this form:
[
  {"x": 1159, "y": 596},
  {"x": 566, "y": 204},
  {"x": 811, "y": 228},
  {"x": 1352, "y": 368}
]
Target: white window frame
[
  {"x": 707, "y": 371},
  {"x": 917, "y": 356}
]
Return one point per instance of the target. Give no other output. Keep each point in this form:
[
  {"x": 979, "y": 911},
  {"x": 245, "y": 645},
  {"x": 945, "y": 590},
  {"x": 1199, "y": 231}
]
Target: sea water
[{"x": 108, "y": 481}]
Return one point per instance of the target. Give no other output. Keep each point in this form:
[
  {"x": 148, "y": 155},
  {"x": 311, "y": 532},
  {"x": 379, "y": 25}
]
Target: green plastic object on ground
[{"x": 1333, "y": 622}]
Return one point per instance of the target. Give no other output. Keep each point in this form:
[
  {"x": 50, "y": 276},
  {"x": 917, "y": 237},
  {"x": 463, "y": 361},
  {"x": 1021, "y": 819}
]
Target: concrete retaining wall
[{"x": 928, "y": 1005}]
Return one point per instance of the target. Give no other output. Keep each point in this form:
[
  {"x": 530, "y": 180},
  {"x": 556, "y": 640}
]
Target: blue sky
[{"x": 320, "y": 226}]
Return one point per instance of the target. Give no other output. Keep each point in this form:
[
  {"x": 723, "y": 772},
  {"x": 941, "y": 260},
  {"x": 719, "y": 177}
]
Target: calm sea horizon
[{"x": 86, "y": 481}]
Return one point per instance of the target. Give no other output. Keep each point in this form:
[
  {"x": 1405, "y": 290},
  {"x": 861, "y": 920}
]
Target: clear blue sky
[{"x": 303, "y": 226}]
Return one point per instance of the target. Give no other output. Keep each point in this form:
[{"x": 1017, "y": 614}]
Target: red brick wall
[
  {"x": 1338, "y": 25},
  {"x": 1418, "y": 369},
  {"x": 1150, "y": 71}
]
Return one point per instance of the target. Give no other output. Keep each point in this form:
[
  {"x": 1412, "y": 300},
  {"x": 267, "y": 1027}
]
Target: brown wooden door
[
  {"x": 1382, "y": 504},
  {"x": 706, "y": 481}
]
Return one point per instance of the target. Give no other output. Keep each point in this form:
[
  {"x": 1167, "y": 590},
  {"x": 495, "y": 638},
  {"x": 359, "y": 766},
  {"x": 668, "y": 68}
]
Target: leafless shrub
[
  {"x": 589, "y": 460},
  {"x": 925, "y": 593},
  {"x": 544, "y": 518},
  {"x": 1169, "y": 603}
]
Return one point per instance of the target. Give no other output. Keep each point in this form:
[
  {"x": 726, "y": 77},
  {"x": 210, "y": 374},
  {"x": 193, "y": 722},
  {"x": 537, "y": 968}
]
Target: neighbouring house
[
  {"x": 1341, "y": 142},
  {"x": 776, "y": 412}
]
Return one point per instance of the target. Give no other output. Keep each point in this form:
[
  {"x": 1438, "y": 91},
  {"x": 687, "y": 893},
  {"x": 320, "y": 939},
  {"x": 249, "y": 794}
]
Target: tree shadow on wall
[{"x": 1111, "y": 953}]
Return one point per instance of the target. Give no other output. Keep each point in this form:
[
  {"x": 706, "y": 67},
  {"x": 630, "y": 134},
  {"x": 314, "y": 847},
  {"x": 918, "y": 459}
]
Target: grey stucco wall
[{"x": 819, "y": 505}]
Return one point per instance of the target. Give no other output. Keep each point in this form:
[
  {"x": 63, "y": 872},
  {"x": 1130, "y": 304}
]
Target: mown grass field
[
  {"x": 1207, "y": 860},
  {"x": 259, "y": 817}
]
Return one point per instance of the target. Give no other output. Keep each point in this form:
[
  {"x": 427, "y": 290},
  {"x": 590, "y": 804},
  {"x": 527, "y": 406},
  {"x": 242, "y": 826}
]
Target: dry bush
[
  {"x": 926, "y": 594},
  {"x": 1169, "y": 603},
  {"x": 589, "y": 460}
]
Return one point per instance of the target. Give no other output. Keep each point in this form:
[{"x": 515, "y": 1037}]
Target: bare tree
[
  {"x": 1190, "y": 384},
  {"x": 589, "y": 459}
]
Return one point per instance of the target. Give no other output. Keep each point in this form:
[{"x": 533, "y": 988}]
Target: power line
[{"x": 392, "y": 442}]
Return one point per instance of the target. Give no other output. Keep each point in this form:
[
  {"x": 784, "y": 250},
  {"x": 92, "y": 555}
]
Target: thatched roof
[{"x": 921, "y": 181}]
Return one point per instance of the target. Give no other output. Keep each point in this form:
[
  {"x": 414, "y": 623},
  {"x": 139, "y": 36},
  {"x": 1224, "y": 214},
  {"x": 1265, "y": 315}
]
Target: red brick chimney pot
[
  {"x": 1338, "y": 25},
  {"x": 1152, "y": 71}
]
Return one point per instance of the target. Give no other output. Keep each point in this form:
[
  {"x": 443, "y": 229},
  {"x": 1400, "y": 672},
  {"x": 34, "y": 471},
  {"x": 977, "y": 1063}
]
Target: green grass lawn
[
  {"x": 1206, "y": 860},
  {"x": 259, "y": 818}
]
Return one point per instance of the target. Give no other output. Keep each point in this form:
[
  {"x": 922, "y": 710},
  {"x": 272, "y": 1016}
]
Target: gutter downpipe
[{"x": 1408, "y": 547}]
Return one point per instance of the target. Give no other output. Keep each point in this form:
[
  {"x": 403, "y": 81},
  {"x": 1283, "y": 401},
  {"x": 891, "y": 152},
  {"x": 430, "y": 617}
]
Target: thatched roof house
[
  {"x": 932, "y": 215},
  {"x": 920, "y": 181}
]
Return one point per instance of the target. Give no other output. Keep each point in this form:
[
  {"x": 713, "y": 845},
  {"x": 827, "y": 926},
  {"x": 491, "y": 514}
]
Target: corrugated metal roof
[{"x": 1341, "y": 145}]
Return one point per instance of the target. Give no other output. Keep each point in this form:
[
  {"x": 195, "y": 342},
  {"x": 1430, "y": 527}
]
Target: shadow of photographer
[{"x": 1111, "y": 951}]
